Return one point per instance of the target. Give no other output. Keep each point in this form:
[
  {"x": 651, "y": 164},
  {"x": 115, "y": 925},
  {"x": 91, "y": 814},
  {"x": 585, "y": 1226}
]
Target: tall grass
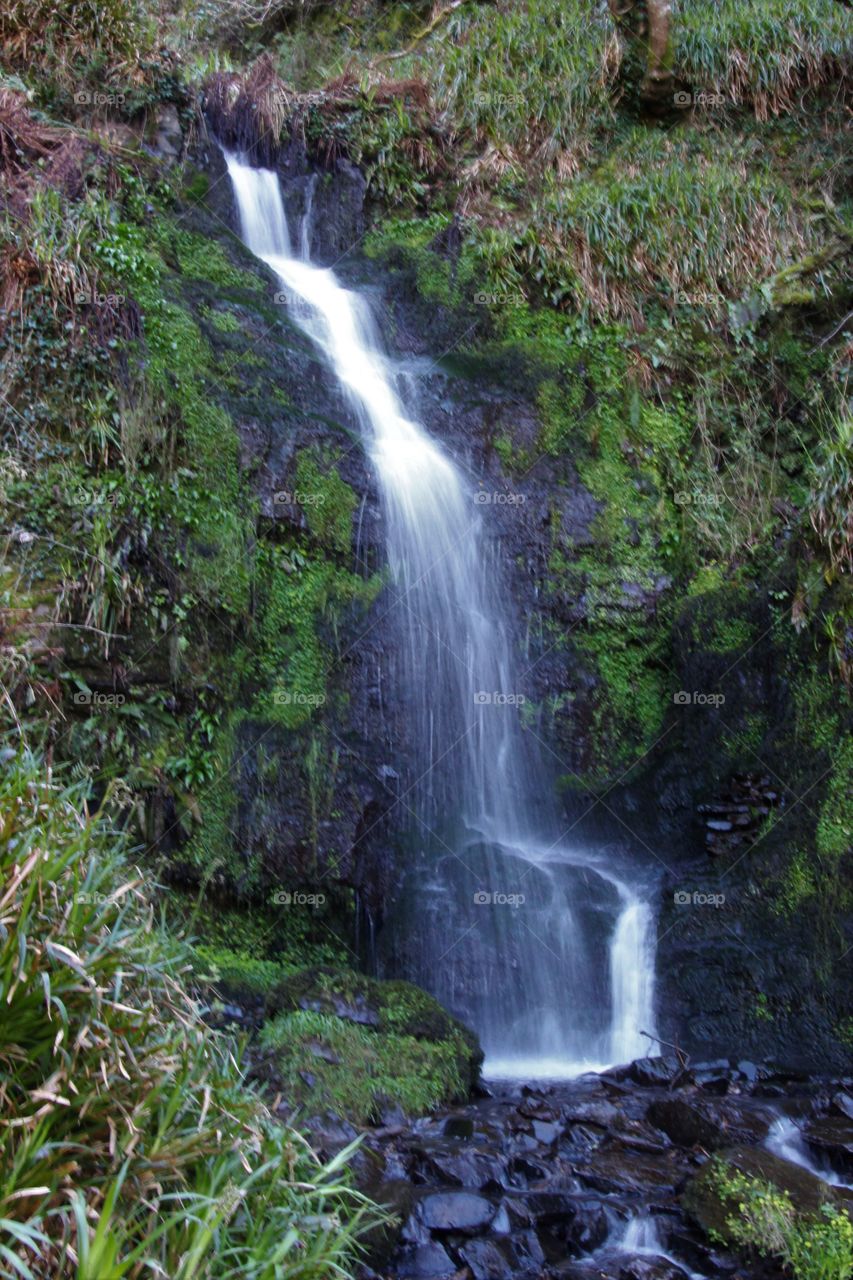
[
  {"x": 761, "y": 52},
  {"x": 831, "y": 499},
  {"x": 665, "y": 215},
  {"x": 130, "y": 1145},
  {"x": 525, "y": 75},
  {"x": 43, "y": 33}
]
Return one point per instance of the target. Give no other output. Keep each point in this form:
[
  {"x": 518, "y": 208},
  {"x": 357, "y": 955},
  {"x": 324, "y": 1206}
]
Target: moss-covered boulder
[
  {"x": 338, "y": 1040},
  {"x": 706, "y": 1202}
]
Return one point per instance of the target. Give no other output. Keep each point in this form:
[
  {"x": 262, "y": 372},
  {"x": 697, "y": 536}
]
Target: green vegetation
[
  {"x": 131, "y": 1138},
  {"x": 353, "y": 1071},
  {"x": 762, "y": 52},
  {"x": 763, "y": 1218},
  {"x": 363, "y": 1044},
  {"x": 666, "y": 288}
]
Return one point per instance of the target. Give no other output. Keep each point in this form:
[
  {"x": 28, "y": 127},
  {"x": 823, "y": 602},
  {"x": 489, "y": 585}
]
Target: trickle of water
[
  {"x": 641, "y": 1236},
  {"x": 786, "y": 1140},
  {"x": 545, "y": 952}
]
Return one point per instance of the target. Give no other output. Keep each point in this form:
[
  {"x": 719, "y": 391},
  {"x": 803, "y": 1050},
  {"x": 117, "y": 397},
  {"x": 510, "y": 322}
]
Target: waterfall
[
  {"x": 631, "y": 974},
  {"x": 536, "y": 944}
]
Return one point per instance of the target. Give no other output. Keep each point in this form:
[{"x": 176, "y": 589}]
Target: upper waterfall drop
[{"x": 538, "y": 945}]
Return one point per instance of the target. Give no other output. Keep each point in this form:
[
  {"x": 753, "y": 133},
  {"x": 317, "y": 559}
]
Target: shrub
[
  {"x": 815, "y": 1247},
  {"x": 831, "y": 507}
]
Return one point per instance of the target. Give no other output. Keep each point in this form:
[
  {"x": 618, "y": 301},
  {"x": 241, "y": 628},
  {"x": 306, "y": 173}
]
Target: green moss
[
  {"x": 196, "y": 189},
  {"x": 834, "y": 833},
  {"x": 218, "y": 559},
  {"x": 234, "y": 971},
  {"x": 299, "y": 599},
  {"x": 410, "y": 243},
  {"x": 211, "y": 846},
  {"x": 797, "y": 886},
  {"x": 743, "y": 745},
  {"x": 709, "y": 577},
  {"x": 224, "y": 321},
  {"x": 729, "y": 634},
  {"x": 515, "y": 460},
  {"x": 328, "y": 500},
  {"x": 200, "y": 258},
  {"x": 392, "y": 1042},
  {"x": 328, "y": 1063}
]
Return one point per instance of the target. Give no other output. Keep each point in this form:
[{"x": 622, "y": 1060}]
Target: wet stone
[
  {"x": 545, "y": 1132},
  {"x": 649, "y": 1072},
  {"x": 832, "y": 1140},
  {"x": 535, "y": 1108},
  {"x": 842, "y": 1105},
  {"x": 462, "y": 1169},
  {"x": 685, "y": 1124},
  {"x": 601, "y": 1114},
  {"x": 459, "y": 1127},
  {"x": 461, "y": 1211},
  {"x": 612, "y": 1169},
  {"x": 486, "y": 1260},
  {"x": 428, "y": 1262},
  {"x": 523, "y": 1170},
  {"x": 652, "y": 1268}
]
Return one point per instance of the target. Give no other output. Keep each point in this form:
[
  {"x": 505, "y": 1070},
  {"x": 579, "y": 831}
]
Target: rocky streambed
[{"x": 605, "y": 1176}]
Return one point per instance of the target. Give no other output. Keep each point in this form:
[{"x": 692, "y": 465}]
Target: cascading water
[
  {"x": 539, "y": 946},
  {"x": 786, "y": 1140}
]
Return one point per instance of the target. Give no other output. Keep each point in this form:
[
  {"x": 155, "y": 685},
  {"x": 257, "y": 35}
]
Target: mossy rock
[
  {"x": 395, "y": 1007},
  {"x": 339, "y": 1039},
  {"x": 704, "y": 1203}
]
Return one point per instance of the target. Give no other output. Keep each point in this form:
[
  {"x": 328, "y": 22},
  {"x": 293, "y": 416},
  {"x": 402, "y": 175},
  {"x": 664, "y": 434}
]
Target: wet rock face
[
  {"x": 733, "y": 820},
  {"x": 689, "y": 804},
  {"x": 619, "y": 1193}
]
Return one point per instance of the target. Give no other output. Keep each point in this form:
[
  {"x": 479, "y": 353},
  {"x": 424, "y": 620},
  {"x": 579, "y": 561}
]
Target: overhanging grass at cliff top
[
  {"x": 528, "y": 75},
  {"x": 762, "y": 52}
]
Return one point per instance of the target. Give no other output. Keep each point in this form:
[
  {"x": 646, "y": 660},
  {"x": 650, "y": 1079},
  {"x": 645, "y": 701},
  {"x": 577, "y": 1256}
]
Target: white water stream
[
  {"x": 545, "y": 951},
  {"x": 786, "y": 1140}
]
